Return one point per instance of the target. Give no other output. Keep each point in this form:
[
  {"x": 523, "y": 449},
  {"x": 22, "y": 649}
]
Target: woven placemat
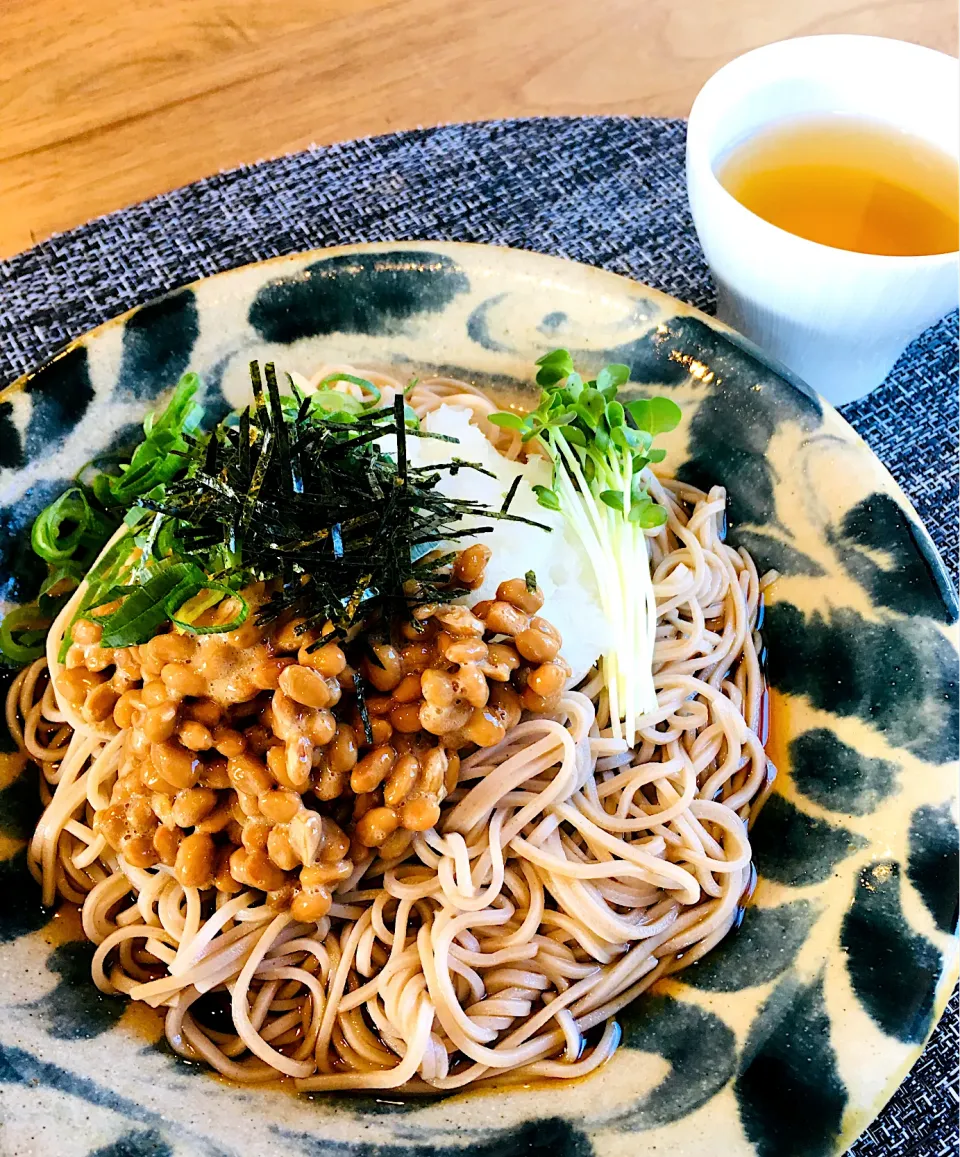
[{"x": 606, "y": 191}]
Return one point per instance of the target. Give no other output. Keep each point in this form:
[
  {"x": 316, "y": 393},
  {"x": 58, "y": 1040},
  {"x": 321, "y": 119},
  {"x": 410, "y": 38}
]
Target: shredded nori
[{"x": 305, "y": 496}]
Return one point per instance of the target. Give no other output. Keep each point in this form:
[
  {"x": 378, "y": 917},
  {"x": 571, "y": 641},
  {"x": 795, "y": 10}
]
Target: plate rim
[{"x": 622, "y": 283}]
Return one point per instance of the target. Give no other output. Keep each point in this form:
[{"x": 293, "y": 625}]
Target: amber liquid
[{"x": 849, "y": 183}]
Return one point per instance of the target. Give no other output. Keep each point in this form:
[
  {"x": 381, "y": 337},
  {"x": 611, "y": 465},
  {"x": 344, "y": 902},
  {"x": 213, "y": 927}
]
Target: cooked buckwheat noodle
[{"x": 566, "y": 875}]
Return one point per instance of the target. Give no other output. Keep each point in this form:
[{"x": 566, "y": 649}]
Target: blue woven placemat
[{"x": 607, "y": 191}]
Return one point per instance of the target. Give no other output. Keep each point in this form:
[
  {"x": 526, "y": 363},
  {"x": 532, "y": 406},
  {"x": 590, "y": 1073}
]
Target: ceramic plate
[{"x": 790, "y": 1036}]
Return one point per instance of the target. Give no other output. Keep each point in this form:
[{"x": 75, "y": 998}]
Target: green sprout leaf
[
  {"x": 554, "y": 367},
  {"x": 655, "y": 415},
  {"x": 547, "y": 498},
  {"x": 573, "y": 434},
  {"x": 506, "y": 420},
  {"x": 614, "y": 414},
  {"x": 648, "y": 515},
  {"x": 613, "y": 377}
]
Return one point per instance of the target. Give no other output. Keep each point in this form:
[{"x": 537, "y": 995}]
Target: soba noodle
[{"x": 566, "y": 875}]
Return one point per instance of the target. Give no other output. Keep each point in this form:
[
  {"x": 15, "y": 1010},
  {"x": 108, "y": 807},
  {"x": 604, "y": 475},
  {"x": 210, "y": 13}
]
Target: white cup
[{"x": 837, "y": 318}]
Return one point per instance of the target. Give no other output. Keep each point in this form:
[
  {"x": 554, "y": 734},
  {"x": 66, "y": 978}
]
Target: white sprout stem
[
  {"x": 580, "y": 509},
  {"x": 629, "y": 556},
  {"x": 619, "y": 556},
  {"x": 643, "y": 633},
  {"x": 636, "y": 675}
]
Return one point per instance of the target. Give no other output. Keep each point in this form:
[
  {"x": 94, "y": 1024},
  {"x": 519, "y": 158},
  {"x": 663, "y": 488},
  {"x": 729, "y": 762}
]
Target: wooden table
[{"x": 106, "y": 102}]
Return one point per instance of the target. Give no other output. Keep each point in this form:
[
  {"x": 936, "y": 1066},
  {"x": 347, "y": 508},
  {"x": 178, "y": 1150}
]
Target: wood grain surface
[{"x": 106, "y": 103}]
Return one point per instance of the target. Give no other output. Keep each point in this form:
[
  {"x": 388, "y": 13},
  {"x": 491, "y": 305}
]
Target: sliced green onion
[
  {"x": 22, "y": 634},
  {"x": 161, "y": 456},
  {"x": 332, "y": 379},
  {"x": 143, "y": 612},
  {"x": 334, "y": 403},
  {"x": 221, "y": 590},
  {"x": 48, "y": 538}
]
